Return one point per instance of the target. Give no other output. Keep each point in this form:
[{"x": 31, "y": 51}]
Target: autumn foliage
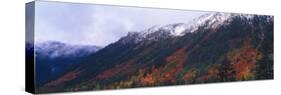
[{"x": 244, "y": 62}]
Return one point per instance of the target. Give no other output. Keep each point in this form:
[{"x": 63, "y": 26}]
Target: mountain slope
[{"x": 216, "y": 47}]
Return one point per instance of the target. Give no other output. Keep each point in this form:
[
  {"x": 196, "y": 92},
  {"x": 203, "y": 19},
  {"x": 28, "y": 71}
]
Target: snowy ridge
[
  {"x": 212, "y": 20},
  {"x": 58, "y": 49},
  {"x": 208, "y": 21}
]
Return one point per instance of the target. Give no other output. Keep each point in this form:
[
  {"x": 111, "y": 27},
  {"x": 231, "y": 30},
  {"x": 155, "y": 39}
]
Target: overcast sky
[{"x": 99, "y": 25}]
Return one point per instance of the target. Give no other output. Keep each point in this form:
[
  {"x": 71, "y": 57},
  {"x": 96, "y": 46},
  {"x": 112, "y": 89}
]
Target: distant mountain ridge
[
  {"x": 54, "y": 49},
  {"x": 54, "y": 58}
]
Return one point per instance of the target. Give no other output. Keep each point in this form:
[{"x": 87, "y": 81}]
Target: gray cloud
[{"x": 98, "y": 24}]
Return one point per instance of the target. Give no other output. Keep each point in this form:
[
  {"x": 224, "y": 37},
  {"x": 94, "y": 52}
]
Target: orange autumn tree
[{"x": 244, "y": 61}]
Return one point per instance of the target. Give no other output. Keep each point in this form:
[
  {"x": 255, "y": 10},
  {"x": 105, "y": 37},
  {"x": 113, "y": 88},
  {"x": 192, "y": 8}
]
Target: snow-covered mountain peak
[
  {"x": 54, "y": 49},
  {"x": 209, "y": 20},
  {"x": 171, "y": 29}
]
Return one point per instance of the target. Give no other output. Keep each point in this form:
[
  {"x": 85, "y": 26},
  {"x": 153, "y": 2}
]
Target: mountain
[
  {"x": 55, "y": 58},
  {"x": 54, "y": 50},
  {"x": 215, "y": 47},
  {"x": 208, "y": 21}
]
